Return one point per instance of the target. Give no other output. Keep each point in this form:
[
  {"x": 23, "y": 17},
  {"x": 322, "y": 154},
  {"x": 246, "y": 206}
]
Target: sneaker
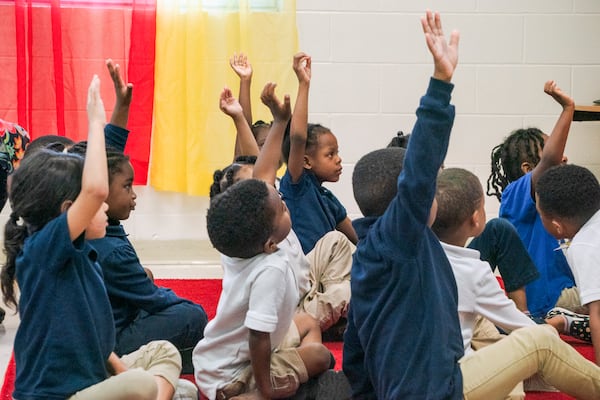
[
  {"x": 185, "y": 390},
  {"x": 333, "y": 385},
  {"x": 2, "y": 314},
  {"x": 579, "y": 324}
]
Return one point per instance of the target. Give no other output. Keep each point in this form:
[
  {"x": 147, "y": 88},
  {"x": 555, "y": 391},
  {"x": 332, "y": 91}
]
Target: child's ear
[
  {"x": 270, "y": 246},
  {"x": 526, "y": 167},
  {"x": 307, "y": 162},
  {"x": 558, "y": 227},
  {"x": 65, "y": 205}
]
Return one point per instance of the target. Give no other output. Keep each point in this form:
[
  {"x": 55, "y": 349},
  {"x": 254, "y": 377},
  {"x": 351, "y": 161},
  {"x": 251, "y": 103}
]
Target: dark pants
[
  {"x": 181, "y": 324},
  {"x": 501, "y": 246}
]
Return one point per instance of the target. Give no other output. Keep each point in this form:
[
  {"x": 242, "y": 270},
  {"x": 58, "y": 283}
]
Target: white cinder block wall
[{"x": 370, "y": 66}]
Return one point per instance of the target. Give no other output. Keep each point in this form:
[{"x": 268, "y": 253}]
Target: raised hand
[
  {"x": 281, "y": 111},
  {"x": 123, "y": 91},
  {"x": 302, "y": 66},
  {"x": 229, "y": 104},
  {"x": 557, "y": 94},
  {"x": 95, "y": 106},
  {"x": 241, "y": 66},
  {"x": 445, "y": 54}
]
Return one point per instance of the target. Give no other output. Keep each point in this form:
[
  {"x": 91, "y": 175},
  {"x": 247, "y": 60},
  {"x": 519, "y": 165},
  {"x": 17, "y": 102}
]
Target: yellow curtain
[{"x": 191, "y": 136}]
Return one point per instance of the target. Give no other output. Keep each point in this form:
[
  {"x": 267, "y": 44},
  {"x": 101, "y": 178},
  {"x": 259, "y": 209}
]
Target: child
[
  {"x": 248, "y": 347},
  {"x": 568, "y": 200},
  {"x": 500, "y": 245},
  {"x": 311, "y": 154},
  {"x": 142, "y": 311},
  {"x": 517, "y": 164},
  {"x": 460, "y": 215},
  {"x": 324, "y": 273},
  {"x": 63, "y": 346},
  {"x": 400, "y": 275}
]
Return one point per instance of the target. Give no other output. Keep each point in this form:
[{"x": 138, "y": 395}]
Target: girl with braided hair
[{"x": 517, "y": 165}]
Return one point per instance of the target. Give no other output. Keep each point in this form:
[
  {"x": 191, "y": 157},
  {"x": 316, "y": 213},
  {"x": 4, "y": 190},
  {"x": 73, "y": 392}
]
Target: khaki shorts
[{"x": 287, "y": 371}]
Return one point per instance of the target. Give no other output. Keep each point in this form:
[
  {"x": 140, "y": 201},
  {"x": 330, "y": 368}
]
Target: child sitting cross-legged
[
  {"x": 256, "y": 346},
  {"x": 530, "y": 349}
]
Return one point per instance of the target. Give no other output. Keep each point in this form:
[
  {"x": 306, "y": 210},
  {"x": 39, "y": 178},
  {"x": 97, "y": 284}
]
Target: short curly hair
[
  {"x": 375, "y": 180},
  {"x": 239, "y": 221},
  {"x": 459, "y": 194},
  {"x": 568, "y": 191}
]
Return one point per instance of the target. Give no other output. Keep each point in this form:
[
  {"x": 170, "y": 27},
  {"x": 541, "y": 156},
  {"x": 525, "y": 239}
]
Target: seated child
[
  {"x": 568, "y": 200},
  {"x": 460, "y": 215},
  {"x": 64, "y": 344},
  {"x": 142, "y": 311},
  {"x": 517, "y": 164},
  {"x": 311, "y": 155},
  {"x": 256, "y": 344},
  {"x": 324, "y": 273}
]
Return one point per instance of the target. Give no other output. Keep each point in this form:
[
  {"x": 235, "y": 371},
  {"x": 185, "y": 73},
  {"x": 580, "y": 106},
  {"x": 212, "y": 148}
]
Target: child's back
[{"x": 400, "y": 275}]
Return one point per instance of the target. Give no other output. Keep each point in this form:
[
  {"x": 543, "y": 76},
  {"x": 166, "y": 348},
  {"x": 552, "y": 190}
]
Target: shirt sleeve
[{"x": 266, "y": 298}]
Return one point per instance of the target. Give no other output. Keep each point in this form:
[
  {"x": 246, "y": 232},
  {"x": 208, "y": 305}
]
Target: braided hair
[
  {"x": 522, "y": 145},
  {"x": 224, "y": 178}
]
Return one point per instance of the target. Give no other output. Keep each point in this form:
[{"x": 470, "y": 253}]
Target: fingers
[
  {"x": 268, "y": 95},
  {"x": 94, "y": 89}
]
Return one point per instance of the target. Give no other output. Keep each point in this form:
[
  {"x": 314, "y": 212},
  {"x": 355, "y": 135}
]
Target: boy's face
[
  {"x": 282, "y": 223},
  {"x": 97, "y": 227},
  {"x": 121, "y": 196},
  {"x": 324, "y": 161}
]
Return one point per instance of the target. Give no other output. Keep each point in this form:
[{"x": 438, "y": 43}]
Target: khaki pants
[
  {"x": 484, "y": 334},
  {"x": 330, "y": 263},
  {"x": 157, "y": 358},
  {"x": 491, "y": 372}
]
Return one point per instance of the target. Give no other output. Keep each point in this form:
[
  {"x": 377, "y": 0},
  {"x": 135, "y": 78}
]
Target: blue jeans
[
  {"x": 500, "y": 245},
  {"x": 181, "y": 324}
]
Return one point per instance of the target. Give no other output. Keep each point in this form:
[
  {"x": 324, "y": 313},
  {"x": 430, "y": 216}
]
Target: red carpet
[{"x": 206, "y": 292}]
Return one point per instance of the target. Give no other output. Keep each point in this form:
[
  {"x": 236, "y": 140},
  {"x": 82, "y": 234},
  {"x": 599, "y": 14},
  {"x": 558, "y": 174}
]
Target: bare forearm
[
  {"x": 245, "y": 99},
  {"x": 260, "y": 356}
]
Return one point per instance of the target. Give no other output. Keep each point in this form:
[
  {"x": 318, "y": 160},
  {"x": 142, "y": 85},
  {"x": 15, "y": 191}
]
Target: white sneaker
[{"x": 185, "y": 390}]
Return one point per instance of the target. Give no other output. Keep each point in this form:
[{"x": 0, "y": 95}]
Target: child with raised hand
[
  {"x": 58, "y": 205},
  {"x": 252, "y": 348},
  {"x": 324, "y": 273},
  {"x": 400, "y": 274},
  {"x": 529, "y": 348},
  {"x": 568, "y": 202},
  {"x": 517, "y": 165},
  {"x": 311, "y": 154},
  {"x": 142, "y": 311}
]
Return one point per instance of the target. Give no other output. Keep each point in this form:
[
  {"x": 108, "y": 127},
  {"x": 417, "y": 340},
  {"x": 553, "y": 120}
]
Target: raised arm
[
  {"x": 267, "y": 162},
  {"x": 242, "y": 67},
  {"x": 554, "y": 147},
  {"x": 445, "y": 54},
  {"x": 299, "y": 124},
  {"x": 94, "y": 181},
  {"x": 123, "y": 92},
  {"x": 245, "y": 143}
]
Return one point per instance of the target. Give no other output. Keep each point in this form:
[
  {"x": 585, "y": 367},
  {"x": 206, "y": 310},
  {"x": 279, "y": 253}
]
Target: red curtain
[{"x": 51, "y": 49}]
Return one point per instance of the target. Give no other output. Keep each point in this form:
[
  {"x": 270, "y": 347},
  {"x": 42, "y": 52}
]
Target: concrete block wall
[{"x": 371, "y": 65}]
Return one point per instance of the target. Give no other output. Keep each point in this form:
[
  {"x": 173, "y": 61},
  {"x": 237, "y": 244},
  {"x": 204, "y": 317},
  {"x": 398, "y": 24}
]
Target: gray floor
[{"x": 167, "y": 259}]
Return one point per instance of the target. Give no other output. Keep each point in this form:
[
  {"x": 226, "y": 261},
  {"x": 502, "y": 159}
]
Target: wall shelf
[{"x": 586, "y": 113}]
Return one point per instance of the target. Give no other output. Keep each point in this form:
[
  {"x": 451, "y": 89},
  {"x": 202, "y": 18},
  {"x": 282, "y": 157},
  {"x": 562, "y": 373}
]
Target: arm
[
  {"x": 299, "y": 124},
  {"x": 555, "y": 144},
  {"x": 594, "y": 307},
  {"x": 94, "y": 181},
  {"x": 242, "y": 67},
  {"x": 245, "y": 142},
  {"x": 267, "y": 162},
  {"x": 347, "y": 229},
  {"x": 115, "y": 365},
  {"x": 123, "y": 93},
  {"x": 260, "y": 358}
]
